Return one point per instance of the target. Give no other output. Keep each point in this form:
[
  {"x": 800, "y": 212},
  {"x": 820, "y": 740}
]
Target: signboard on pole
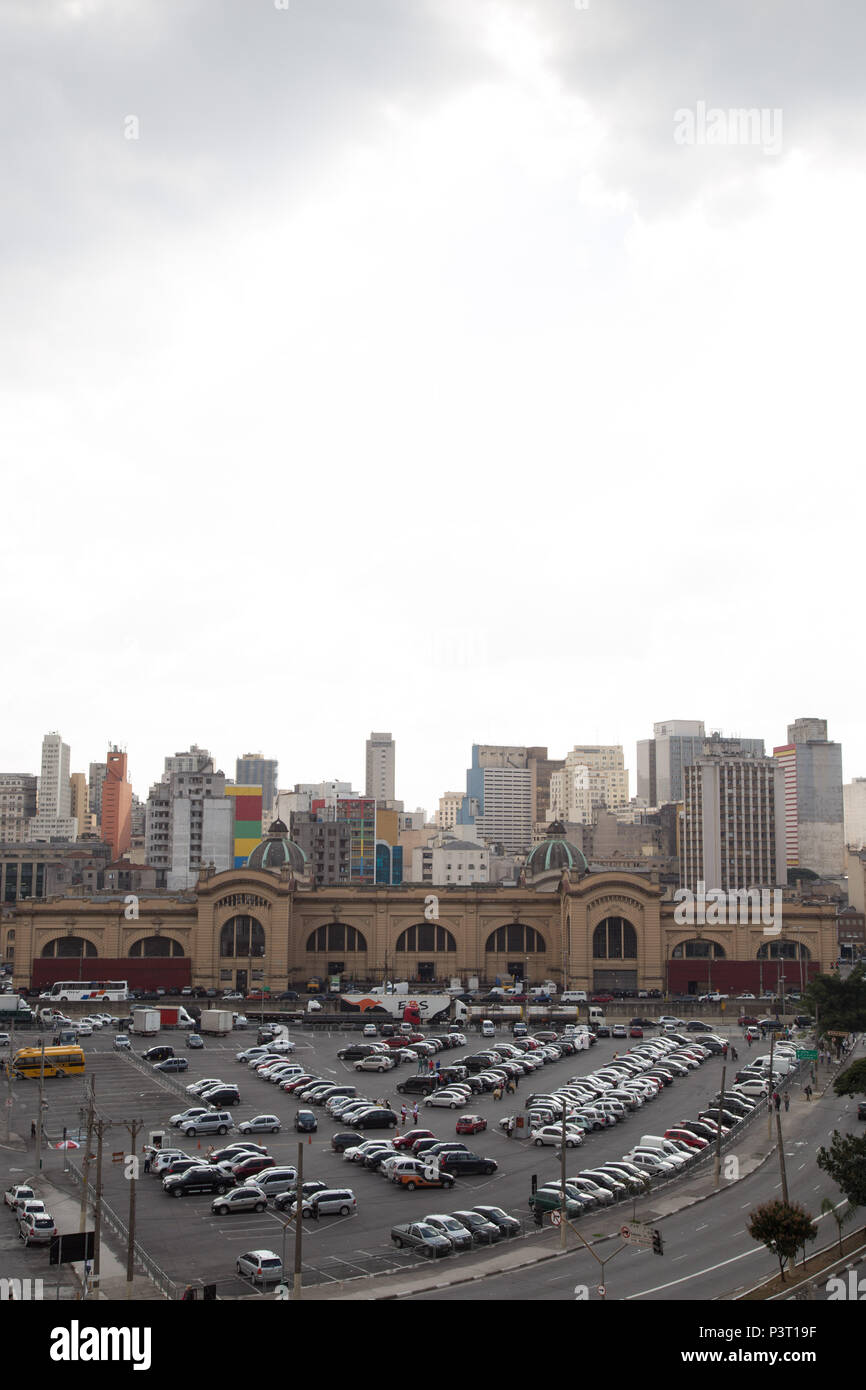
[
  {"x": 807, "y": 1054},
  {"x": 637, "y": 1233},
  {"x": 555, "y": 1218}
]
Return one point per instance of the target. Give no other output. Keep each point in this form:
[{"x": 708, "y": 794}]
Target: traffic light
[{"x": 658, "y": 1243}]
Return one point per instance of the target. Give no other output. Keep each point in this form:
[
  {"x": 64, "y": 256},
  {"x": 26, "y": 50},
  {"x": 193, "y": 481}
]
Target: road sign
[
  {"x": 556, "y": 1217},
  {"x": 637, "y": 1233},
  {"x": 807, "y": 1054},
  {"x": 601, "y": 1290}
]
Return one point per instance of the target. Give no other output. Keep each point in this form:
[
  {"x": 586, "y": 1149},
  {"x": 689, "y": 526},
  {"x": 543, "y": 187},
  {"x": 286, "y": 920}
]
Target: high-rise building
[
  {"x": 254, "y": 770},
  {"x": 95, "y": 779},
  {"x": 814, "y": 805},
  {"x": 380, "y": 767},
  {"x": 190, "y": 821},
  {"x": 449, "y": 809},
  {"x": 593, "y": 777},
  {"x": 508, "y": 804},
  {"x": 116, "y": 804},
  {"x": 359, "y": 814},
  {"x": 660, "y": 760},
  {"x": 54, "y": 819},
  {"x": 854, "y": 804},
  {"x": 17, "y": 805},
  {"x": 733, "y": 824},
  {"x": 79, "y": 804}
]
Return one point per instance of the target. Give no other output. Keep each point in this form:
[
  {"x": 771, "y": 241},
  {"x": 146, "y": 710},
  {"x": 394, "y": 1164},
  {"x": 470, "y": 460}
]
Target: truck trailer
[
  {"x": 145, "y": 1022},
  {"x": 219, "y": 1021}
]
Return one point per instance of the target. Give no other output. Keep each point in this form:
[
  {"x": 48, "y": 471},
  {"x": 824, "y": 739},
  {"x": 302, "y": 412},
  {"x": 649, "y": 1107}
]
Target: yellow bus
[{"x": 59, "y": 1061}]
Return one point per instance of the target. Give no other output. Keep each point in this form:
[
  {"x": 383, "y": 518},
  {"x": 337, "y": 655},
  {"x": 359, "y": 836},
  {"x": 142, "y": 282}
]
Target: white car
[
  {"x": 196, "y": 1087},
  {"x": 186, "y": 1116},
  {"x": 269, "y": 1124},
  {"x": 552, "y": 1134},
  {"x": 369, "y": 1030},
  {"x": 84, "y": 1029},
  {"x": 454, "y": 1100},
  {"x": 282, "y": 1045}
]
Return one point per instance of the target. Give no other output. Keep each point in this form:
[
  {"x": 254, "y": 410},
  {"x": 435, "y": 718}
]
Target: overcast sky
[{"x": 393, "y": 364}]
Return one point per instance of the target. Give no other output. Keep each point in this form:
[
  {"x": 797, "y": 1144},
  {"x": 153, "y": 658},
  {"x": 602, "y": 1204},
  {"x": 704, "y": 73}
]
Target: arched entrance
[
  {"x": 242, "y": 938},
  {"x": 614, "y": 956}
]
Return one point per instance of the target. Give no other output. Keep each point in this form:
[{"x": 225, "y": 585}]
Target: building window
[
  {"x": 426, "y": 936},
  {"x": 614, "y": 939},
  {"x": 336, "y": 936},
  {"x": 242, "y": 936},
  {"x": 516, "y": 937}
]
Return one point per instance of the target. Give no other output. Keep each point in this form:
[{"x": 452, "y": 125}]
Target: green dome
[
  {"x": 555, "y": 854},
  {"x": 277, "y": 850}
]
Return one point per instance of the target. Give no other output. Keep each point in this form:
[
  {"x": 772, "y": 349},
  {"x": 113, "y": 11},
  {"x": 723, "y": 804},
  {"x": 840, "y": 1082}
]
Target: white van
[
  {"x": 487, "y": 1028},
  {"x": 573, "y": 996},
  {"x": 655, "y": 1141}
]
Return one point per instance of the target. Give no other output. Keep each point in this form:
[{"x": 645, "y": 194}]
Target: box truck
[
  {"x": 145, "y": 1022},
  {"x": 220, "y": 1021}
]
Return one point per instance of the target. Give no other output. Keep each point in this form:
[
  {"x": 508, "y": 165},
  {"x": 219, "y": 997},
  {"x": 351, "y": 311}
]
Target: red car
[
  {"x": 693, "y": 1140},
  {"x": 745, "y": 1020},
  {"x": 395, "y": 1042},
  {"x": 405, "y": 1141},
  {"x": 254, "y": 1163},
  {"x": 471, "y": 1124},
  {"x": 601, "y": 999},
  {"x": 636, "y": 1032}
]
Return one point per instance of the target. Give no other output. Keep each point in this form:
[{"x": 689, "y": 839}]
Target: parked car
[
  {"x": 306, "y": 1122},
  {"x": 160, "y": 1053},
  {"x": 328, "y": 1201},
  {"x": 194, "y": 1040},
  {"x": 262, "y": 1266},
  {"x": 36, "y": 1228},
  {"x": 121, "y": 1043},
  {"x": 471, "y": 1124},
  {"x": 417, "y": 1235},
  {"x": 458, "y": 1234},
  {"x": 463, "y": 1164},
  {"x": 239, "y": 1199},
  {"x": 17, "y": 1195},
  {"x": 269, "y": 1124},
  {"x": 204, "y": 1178}
]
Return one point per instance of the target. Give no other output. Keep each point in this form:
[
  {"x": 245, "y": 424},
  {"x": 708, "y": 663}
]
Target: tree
[
  {"x": 840, "y": 1212},
  {"x": 852, "y": 1081},
  {"x": 840, "y": 1005},
  {"x": 783, "y": 1227},
  {"x": 845, "y": 1163}
]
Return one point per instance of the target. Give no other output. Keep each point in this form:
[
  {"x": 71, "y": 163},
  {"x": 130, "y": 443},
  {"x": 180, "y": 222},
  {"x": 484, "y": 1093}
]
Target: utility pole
[
  {"x": 772, "y": 1088},
  {"x": 101, "y": 1127},
  {"x": 782, "y": 1158},
  {"x": 564, "y": 1202},
  {"x": 41, "y": 1107},
  {"x": 134, "y": 1126},
  {"x": 717, "y": 1174},
  {"x": 82, "y": 1220},
  {"x": 296, "y": 1287}
]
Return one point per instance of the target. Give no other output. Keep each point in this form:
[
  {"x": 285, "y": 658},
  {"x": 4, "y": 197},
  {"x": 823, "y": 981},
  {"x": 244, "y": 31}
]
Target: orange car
[{"x": 413, "y": 1180}]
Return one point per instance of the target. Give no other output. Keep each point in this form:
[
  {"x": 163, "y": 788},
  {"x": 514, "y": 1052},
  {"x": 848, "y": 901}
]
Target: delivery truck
[
  {"x": 175, "y": 1017},
  {"x": 219, "y": 1021},
  {"x": 145, "y": 1022}
]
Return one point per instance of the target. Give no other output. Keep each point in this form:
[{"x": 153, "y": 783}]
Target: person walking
[
  {"x": 415, "y": 1113},
  {"x": 32, "y": 1129},
  {"x": 725, "y": 1051},
  {"x": 403, "y": 1113},
  {"x": 777, "y": 1101},
  {"x": 733, "y": 1053},
  {"x": 147, "y": 1163},
  {"x": 787, "y": 1100},
  {"x": 807, "y": 1090}
]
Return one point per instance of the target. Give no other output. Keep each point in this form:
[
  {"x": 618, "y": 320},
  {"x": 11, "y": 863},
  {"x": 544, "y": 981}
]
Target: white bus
[{"x": 86, "y": 991}]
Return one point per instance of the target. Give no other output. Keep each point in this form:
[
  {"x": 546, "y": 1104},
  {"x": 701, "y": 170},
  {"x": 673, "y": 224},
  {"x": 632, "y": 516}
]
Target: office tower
[
  {"x": 17, "y": 805},
  {"x": 533, "y": 760},
  {"x": 116, "y": 804},
  {"x": 592, "y": 777},
  {"x": 254, "y": 770},
  {"x": 449, "y": 809},
  {"x": 53, "y": 819},
  {"x": 660, "y": 760},
  {"x": 854, "y": 805},
  {"x": 380, "y": 767},
  {"x": 190, "y": 821},
  {"x": 95, "y": 778},
  {"x": 814, "y": 806},
  {"x": 79, "y": 802},
  {"x": 508, "y": 807},
  {"x": 733, "y": 823}
]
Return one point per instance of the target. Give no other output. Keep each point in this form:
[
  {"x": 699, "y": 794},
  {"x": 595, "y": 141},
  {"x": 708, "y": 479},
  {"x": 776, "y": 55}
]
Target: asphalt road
[{"x": 190, "y": 1243}]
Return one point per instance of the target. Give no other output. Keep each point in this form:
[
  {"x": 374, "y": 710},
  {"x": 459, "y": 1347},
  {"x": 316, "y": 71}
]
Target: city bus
[
  {"x": 59, "y": 1061},
  {"x": 85, "y": 991}
]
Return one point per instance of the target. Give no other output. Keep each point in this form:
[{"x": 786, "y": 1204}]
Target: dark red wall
[
  {"x": 145, "y": 972},
  {"x": 736, "y": 976}
]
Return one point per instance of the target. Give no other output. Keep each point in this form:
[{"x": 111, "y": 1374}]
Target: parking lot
[{"x": 190, "y": 1243}]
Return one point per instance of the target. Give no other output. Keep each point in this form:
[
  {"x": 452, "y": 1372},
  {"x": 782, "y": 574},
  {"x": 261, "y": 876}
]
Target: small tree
[
  {"x": 845, "y": 1163},
  {"x": 783, "y": 1227},
  {"x": 852, "y": 1081},
  {"x": 840, "y": 1212}
]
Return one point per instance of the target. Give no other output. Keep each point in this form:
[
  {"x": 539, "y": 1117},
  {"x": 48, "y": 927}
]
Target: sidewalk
[{"x": 751, "y": 1153}]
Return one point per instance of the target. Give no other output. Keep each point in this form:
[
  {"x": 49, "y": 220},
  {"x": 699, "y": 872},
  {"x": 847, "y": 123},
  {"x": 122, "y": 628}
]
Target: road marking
[{"x": 702, "y": 1228}]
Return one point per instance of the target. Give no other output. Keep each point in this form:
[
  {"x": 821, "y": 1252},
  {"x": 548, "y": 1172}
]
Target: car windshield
[{"x": 428, "y": 1231}]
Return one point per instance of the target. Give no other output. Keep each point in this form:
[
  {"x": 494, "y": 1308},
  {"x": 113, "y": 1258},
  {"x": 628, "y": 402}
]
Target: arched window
[
  {"x": 516, "y": 937},
  {"x": 336, "y": 936},
  {"x": 614, "y": 939},
  {"x": 698, "y": 950},
  {"x": 426, "y": 936},
  {"x": 69, "y": 946},
  {"x": 242, "y": 936},
  {"x": 156, "y": 946},
  {"x": 783, "y": 950}
]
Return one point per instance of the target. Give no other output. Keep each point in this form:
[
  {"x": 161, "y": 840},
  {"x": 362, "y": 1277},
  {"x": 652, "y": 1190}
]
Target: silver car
[{"x": 239, "y": 1199}]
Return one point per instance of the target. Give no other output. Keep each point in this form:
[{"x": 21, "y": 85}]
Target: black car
[
  {"x": 306, "y": 1122},
  {"x": 158, "y": 1054},
  {"x": 200, "y": 1179},
  {"x": 345, "y": 1139},
  {"x": 508, "y": 1225},
  {"x": 463, "y": 1164},
  {"x": 376, "y": 1119},
  {"x": 288, "y": 994},
  {"x": 694, "y": 1025},
  {"x": 602, "y": 1031},
  {"x": 355, "y": 1051},
  {"x": 222, "y": 1096}
]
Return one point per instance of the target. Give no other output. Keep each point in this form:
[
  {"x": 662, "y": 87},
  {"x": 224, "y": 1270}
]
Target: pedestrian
[
  {"x": 787, "y": 1099},
  {"x": 777, "y": 1101},
  {"x": 403, "y": 1114},
  {"x": 808, "y": 1092},
  {"x": 497, "y": 1094},
  {"x": 749, "y": 1041},
  {"x": 725, "y": 1051},
  {"x": 733, "y": 1053},
  {"x": 147, "y": 1163},
  {"x": 415, "y": 1113}
]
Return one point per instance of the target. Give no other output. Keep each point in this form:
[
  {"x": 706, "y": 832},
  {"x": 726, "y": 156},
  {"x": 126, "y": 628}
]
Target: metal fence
[{"x": 109, "y": 1216}]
